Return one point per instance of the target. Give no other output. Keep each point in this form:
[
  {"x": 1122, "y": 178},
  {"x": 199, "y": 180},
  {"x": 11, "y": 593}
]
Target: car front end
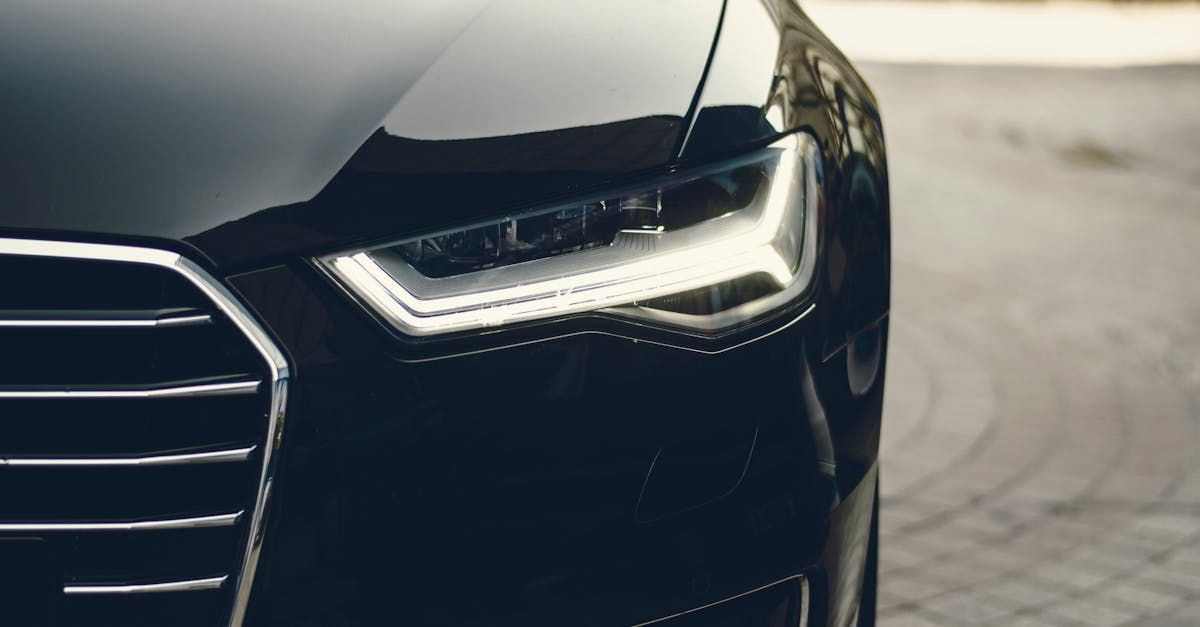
[{"x": 468, "y": 313}]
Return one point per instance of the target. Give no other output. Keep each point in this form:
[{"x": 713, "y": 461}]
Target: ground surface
[
  {"x": 982, "y": 32},
  {"x": 1041, "y": 448}
]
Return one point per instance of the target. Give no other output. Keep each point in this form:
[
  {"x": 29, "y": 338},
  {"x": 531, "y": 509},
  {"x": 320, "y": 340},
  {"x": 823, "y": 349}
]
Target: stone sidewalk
[{"x": 1041, "y": 447}]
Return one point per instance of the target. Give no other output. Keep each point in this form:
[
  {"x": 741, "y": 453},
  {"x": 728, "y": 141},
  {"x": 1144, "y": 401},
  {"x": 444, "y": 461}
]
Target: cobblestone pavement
[{"x": 1041, "y": 447}]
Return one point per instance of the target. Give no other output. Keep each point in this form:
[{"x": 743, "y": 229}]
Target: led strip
[{"x": 721, "y": 250}]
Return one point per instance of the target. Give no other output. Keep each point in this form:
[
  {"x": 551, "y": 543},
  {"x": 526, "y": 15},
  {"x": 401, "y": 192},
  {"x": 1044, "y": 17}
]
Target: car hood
[{"x": 254, "y": 131}]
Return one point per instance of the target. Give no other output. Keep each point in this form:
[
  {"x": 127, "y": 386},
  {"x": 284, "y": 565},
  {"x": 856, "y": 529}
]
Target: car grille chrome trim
[
  {"x": 190, "y": 585},
  {"x": 222, "y": 300},
  {"x": 170, "y": 391},
  {"x": 60, "y": 319},
  {"x": 198, "y": 522},
  {"x": 205, "y": 457},
  {"x": 804, "y": 602}
]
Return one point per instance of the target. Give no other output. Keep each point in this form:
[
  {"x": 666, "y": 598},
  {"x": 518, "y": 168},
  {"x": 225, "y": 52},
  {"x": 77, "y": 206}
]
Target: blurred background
[{"x": 1041, "y": 446}]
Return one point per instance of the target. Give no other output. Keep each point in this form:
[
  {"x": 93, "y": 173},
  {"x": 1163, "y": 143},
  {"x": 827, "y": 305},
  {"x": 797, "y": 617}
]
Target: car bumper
[{"x": 585, "y": 478}]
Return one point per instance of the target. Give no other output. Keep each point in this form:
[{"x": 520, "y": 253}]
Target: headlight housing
[{"x": 703, "y": 249}]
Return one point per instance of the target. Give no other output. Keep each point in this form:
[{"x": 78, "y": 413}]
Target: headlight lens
[{"x": 702, "y": 250}]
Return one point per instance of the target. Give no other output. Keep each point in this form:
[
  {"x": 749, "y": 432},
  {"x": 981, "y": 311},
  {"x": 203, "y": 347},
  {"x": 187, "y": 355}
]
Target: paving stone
[
  {"x": 968, "y": 607},
  {"x": 1153, "y": 600},
  {"x": 1165, "y": 528},
  {"x": 1180, "y": 574},
  {"x": 1098, "y": 558},
  {"x": 895, "y": 555},
  {"x": 981, "y": 525},
  {"x": 906, "y": 619},
  {"x": 1189, "y": 553},
  {"x": 943, "y": 540},
  {"x": 1188, "y": 614},
  {"x": 1041, "y": 447},
  {"x": 1188, "y": 490},
  {"x": 1141, "y": 549},
  {"x": 1077, "y": 576},
  {"x": 1035, "y": 542},
  {"x": 1152, "y": 579},
  {"x": 1003, "y": 562},
  {"x": 1028, "y": 621},
  {"x": 1028, "y": 592},
  {"x": 1090, "y": 613},
  {"x": 917, "y": 587},
  {"x": 887, "y": 600},
  {"x": 964, "y": 571},
  {"x": 897, "y": 515}
]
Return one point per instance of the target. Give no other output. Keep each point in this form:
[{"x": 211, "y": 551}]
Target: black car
[{"x": 520, "y": 312}]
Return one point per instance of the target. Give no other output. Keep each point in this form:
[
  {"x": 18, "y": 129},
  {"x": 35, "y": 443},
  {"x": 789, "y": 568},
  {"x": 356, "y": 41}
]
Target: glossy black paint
[
  {"x": 253, "y": 131},
  {"x": 772, "y": 71},
  {"x": 584, "y": 471},
  {"x": 509, "y": 487}
]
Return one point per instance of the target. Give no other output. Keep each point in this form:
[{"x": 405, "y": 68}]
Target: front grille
[{"x": 139, "y": 409}]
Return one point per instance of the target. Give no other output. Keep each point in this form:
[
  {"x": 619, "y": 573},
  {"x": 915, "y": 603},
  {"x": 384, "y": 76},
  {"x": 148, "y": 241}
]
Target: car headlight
[{"x": 702, "y": 249}]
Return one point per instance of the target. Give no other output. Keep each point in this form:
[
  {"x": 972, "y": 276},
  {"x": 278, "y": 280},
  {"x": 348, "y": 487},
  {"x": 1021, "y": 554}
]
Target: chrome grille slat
[
  {"x": 203, "y": 457},
  {"x": 190, "y": 585},
  {"x": 196, "y": 522},
  {"x": 96, "y": 386},
  {"x": 102, "y": 319},
  {"x": 202, "y": 389}
]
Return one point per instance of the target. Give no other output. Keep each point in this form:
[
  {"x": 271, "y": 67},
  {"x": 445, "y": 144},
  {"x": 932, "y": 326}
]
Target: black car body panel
[
  {"x": 585, "y": 470},
  {"x": 250, "y": 131}
]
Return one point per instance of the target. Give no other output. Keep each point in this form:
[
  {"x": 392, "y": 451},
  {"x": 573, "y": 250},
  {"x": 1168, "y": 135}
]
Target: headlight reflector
[{"x": 702, "y": 249}]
